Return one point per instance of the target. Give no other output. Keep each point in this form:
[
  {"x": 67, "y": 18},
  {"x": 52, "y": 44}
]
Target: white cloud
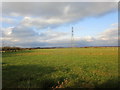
[
  {"x": 115, "y": 24},
  {"x": 107, "y": 38},
  {"x": 41, "y": 22},
  {"x": 6, "y": 31},
  {"x": 109, "y": 34},
  {"x": 7, "y": 20},
  {"x": 29, "y": 38}
]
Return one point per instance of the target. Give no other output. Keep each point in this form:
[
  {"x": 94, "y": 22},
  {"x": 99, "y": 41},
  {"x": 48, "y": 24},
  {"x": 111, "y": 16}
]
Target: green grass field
[{"x": 61, "y": 68}]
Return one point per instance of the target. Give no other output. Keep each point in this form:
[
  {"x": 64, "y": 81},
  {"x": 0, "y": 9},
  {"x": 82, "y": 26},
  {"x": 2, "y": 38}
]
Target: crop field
[{"x": 61, "y": 68}]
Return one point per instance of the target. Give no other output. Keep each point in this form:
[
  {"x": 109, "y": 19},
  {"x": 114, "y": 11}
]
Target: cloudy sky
[{"x": 48, "y": 24}]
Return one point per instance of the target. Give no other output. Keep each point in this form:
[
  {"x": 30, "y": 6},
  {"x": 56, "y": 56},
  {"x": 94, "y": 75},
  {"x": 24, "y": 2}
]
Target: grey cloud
[
  {"x": 23, "y": 32},
  {"x": 56, "y": 13},
  {"x": 44, "y": 15},
  {"x": 52, "y": 9},
  {"x": 26, "y": 37}
]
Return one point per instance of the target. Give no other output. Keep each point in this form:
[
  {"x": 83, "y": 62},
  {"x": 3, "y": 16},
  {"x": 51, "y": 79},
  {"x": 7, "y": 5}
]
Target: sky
[{"x": 49, "y": 24}]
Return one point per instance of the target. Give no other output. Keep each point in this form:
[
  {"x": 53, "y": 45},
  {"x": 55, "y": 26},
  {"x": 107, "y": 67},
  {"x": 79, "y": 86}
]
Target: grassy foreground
[{"x": 61, "y": 68}]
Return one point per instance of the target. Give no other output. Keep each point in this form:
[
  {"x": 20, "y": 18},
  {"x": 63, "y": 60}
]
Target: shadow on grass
[
  {"x": 38, "y": 76},
  {"x": 111, "y": 83},
  {"x": 27, "y": 76}
]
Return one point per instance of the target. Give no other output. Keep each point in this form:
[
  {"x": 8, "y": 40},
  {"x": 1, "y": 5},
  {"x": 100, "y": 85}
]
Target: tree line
[{"x": 12, "y": 49}]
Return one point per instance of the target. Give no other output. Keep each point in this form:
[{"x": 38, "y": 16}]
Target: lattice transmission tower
[{"x": 72, "y": 38}]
